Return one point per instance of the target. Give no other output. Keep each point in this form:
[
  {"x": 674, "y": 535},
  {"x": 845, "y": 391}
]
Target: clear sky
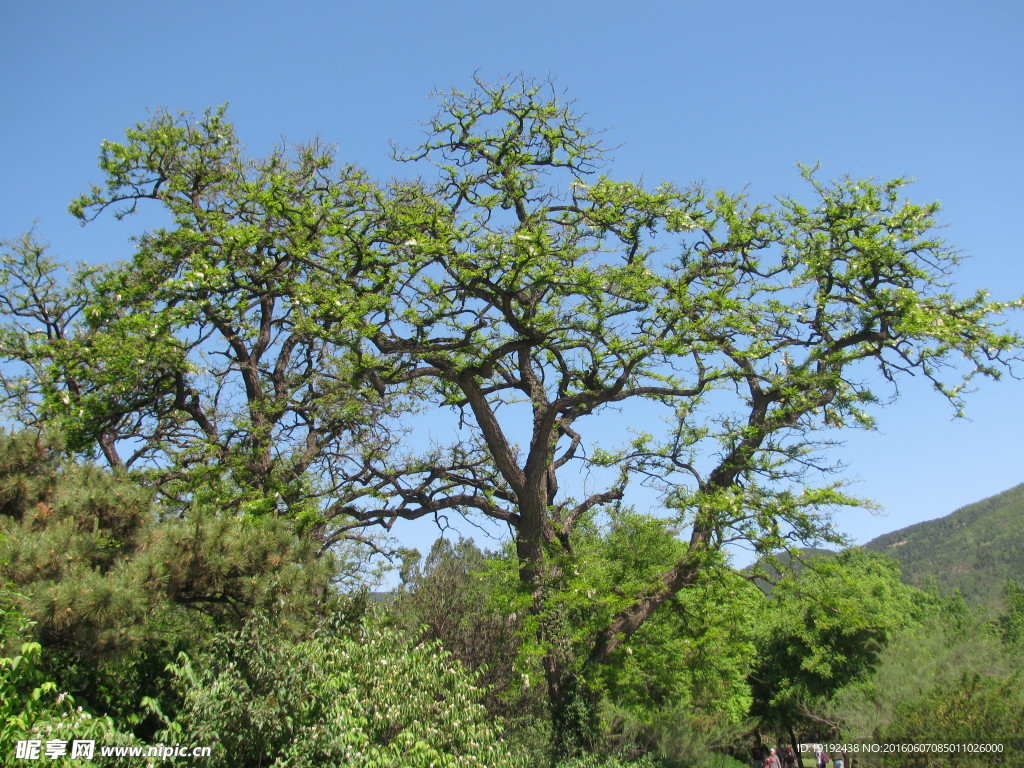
[{"x": 729, "y": 93}]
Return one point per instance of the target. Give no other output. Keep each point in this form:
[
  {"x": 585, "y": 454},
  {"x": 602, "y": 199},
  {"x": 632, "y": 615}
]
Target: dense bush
[
  {"x": 32, "y": 707},
  {"x": 954, "y": 644},
  {"x": 357, "y": 697},
  {"x": 710, "y": 760},
  {"x": 598, "y": 761}
]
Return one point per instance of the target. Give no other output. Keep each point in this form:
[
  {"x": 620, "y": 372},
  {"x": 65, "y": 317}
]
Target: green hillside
[{"x": 975, "y": 549}]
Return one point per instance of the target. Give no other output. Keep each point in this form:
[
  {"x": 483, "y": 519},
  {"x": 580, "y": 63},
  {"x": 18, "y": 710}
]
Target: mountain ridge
[{"x": 974, "y": 549}]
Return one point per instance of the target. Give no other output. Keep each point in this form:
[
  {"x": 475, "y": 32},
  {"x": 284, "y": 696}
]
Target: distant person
[
  {"x": 773, "y": 760},
  {"x": 823, "y": 759},
  {"x": 790, "y": 758}
]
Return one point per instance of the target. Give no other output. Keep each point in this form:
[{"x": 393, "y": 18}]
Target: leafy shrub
[
  {"x": 25, "y": 695},
  {"x": 608, "y": 761},
  {"x": 359, "y": 698},
  {"x": 715, "y": 760},
  {"x": 711, "y": 760},
  {"x": 32, "y": 707}
]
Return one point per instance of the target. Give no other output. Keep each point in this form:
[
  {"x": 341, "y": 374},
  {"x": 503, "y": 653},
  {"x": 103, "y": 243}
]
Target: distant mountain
[
  {"x": 975, "y": 549},
  {"x": 787, "y": 565}
]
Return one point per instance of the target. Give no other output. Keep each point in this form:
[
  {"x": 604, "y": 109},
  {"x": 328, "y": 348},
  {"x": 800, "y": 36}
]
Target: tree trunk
[
  {"x": 794, "y": 745},
  {"x": 572, "y": 706}
]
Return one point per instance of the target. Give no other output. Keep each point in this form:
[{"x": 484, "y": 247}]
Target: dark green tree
[
  {"x": 112, "y": 592},
  {"x": 450, "y": 597},
  {"x": 1011, "y": 621}
]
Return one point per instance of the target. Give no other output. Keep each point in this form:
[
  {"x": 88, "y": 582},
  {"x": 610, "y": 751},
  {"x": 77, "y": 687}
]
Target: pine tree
[{"x": 113, "y": 592}]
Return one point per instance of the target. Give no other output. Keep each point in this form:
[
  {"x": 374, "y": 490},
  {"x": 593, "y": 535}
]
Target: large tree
[
  {"x": 538, "y": 295},
  {"x": 267, "y": 336}
]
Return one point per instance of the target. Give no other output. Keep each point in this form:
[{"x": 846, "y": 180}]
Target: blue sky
[{"x": 729, "y": 93}]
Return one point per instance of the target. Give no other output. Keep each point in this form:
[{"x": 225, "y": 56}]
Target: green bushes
[
  {"x": 601, "y": 761},
  {"x": 355, "y": 696},
  {"x": 976, "y": 710},
  {"x": 26, "y": 696},
  {"x": 31, "y": 705}
]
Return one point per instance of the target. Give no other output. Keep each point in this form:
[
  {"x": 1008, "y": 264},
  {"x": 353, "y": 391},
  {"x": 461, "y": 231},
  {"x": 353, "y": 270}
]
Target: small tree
[
  {"x": 1011, "y": 621},
  {"x": 450, "y": 598},
  {"x": 823, "y": 630}
]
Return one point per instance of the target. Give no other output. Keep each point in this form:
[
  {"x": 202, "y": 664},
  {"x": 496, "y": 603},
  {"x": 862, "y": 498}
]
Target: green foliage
[
  {"x": 824, "y": 629},
  {"x": 355, "y": 696},
  {"x": 1011, "y": 622},
  {"x": 31, "y": 705},
  {"x": 113, "y": 593},
  {"x": 675, "y": 736},
  {"x": 682, "y": 674},
  {"x": 671, "y": 753},
  {"x": 607, "y": 761},
  {"x": 704, "y": 630},
  {"x": 25, "y": 694},
  {"x": 536, "y": 292},
  {"x": 975, "y": 709},
  {"x": 67, "y": 530}
]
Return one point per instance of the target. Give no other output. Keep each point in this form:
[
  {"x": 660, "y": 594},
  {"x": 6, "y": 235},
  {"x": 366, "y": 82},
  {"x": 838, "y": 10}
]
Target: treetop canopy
[{"x": 265, "y": 349}]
